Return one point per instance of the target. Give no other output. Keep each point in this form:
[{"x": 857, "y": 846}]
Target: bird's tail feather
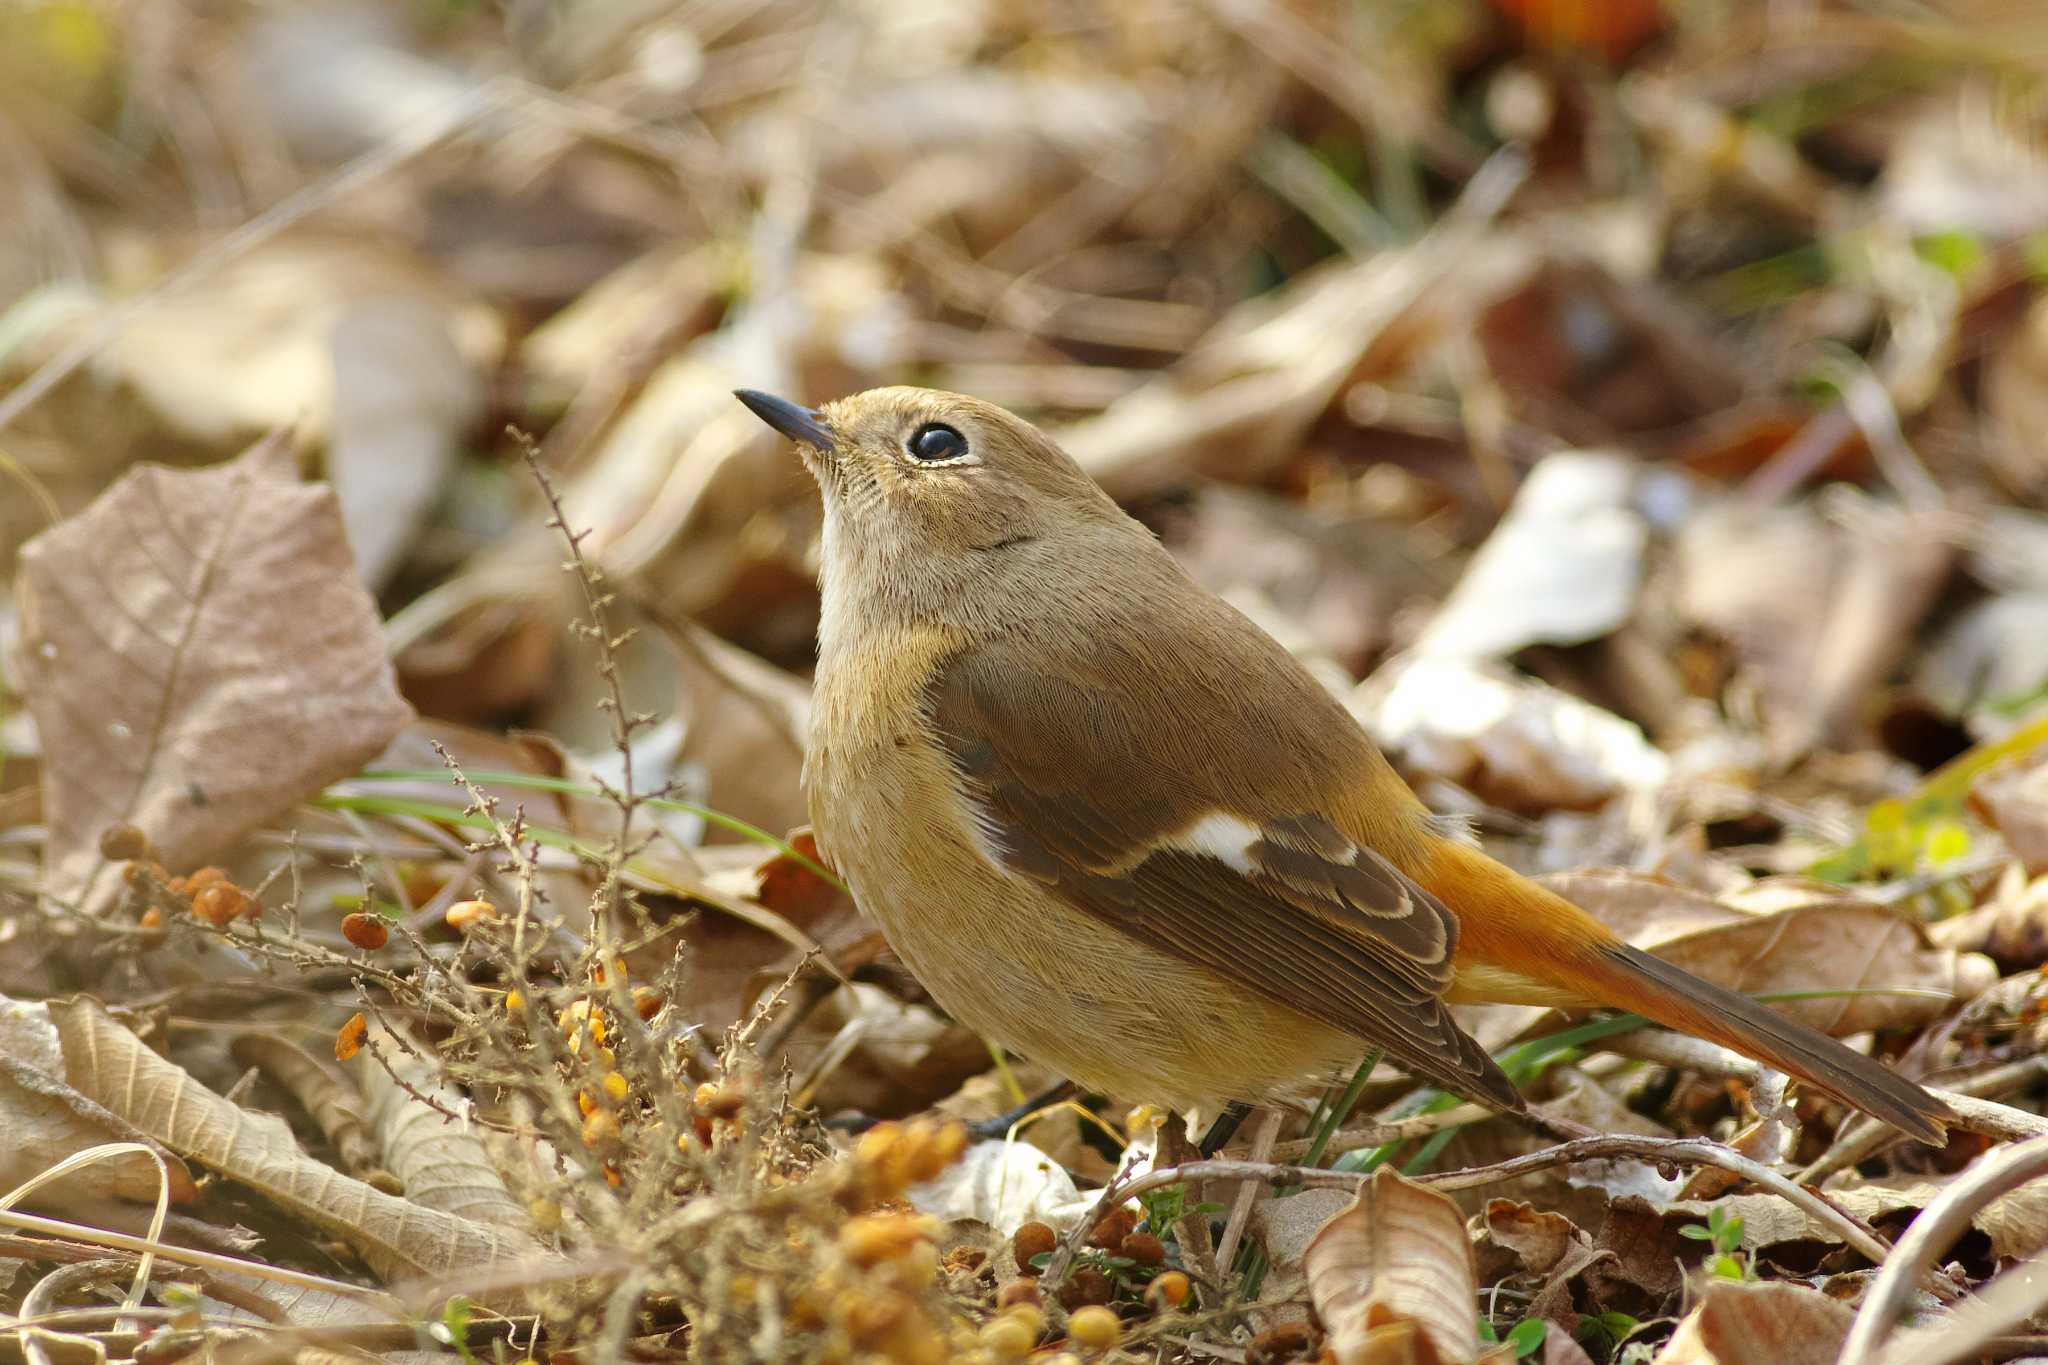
[{"x": 1544, "y": 938}]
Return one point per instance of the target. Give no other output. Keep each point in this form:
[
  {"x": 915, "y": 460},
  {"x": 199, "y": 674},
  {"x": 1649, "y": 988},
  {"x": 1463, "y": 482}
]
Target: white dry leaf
[
  {"x": 1393, "y": 1278},
  {"x": 1561, "y": 568},
  {"x": 1744, "y": 1322},
  {"x": 396, "y": 1238},
  {"x": 1962, "y": 165},
  {"x": 199, "y": 657},
  {"x": 404, "y": 395},
  {"x": 1005, "y": 1185},
  {"x": 1511, "y": 740}
]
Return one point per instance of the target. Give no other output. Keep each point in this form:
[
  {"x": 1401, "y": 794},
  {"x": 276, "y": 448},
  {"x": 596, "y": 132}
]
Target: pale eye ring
[{"x": 935, "y": 443}]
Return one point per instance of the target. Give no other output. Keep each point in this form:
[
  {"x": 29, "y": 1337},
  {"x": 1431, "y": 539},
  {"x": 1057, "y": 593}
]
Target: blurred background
[{"x": 1631, "y": 406}]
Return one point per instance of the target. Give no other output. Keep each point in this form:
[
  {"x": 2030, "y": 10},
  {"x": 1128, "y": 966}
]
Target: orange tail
[{"x": 1519, "y": 941}]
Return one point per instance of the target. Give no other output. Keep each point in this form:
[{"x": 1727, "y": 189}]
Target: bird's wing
[{"x": 1276, "y": 899}]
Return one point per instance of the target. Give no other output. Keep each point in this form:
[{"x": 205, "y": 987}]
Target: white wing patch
[{"x": 1223, "y": 837}]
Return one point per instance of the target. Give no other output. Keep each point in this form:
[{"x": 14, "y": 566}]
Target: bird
[{"x": 1113, "y": 825}]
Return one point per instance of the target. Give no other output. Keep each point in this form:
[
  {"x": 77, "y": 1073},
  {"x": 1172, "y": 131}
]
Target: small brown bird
[{"x": 1113, "y": 825}]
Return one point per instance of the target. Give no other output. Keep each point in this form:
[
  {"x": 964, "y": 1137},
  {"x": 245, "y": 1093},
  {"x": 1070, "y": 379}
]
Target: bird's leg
[
  {"x": 1263, "y": 1137},
  {"x": 1197, "y": 1248},
  {"x": 1001, "y": 1124},
  {"x": 1224, "y": 1128}
]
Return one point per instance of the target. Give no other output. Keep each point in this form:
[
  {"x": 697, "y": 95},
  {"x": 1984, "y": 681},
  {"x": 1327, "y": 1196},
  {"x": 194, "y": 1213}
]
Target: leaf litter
[{"x": 1631, "y": 419}]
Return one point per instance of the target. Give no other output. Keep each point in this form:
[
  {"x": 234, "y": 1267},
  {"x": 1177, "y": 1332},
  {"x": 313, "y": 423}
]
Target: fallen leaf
[
  {"x": 395, "y": 1237},
  {"x": 1004, "y": 1185},
  {"x": 1510, "y": 740},
  {"x": 1392, "y": 1277},
  {"x": 1738, "y": 1323},
  {"x": 443, "y": 1165},
  {"x": 43, "y": 1120},
  {"x": 2015, "y": 1224},
  {"x": 1537, "y": 1239},
  {"x": 1561, "y": 568},
  {"x": 1817, "y": 607},
  {"x": 200, "y": 657},
  {"x": 404, "y": 395},
  {"x": 2013, "y": 799},
  {"x": 2011, "y": 925}
]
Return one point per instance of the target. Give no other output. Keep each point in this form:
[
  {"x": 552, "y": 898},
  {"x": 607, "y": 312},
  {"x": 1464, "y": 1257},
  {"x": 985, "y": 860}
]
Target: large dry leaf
[
  {"x": 2014, "y": 1224},
  {"x": 43, "y": 1120},
  {"x": 1392, "y": 1277},
  {"x": 444, "y": 1165},
  {"x": 1812, "y": 939},
  {"x": 1741, "y": 1323},
  {"x": 199, "y": 657},
  {"x": 1818, "y": 608},
  {"x": 396, "y": 1238}
]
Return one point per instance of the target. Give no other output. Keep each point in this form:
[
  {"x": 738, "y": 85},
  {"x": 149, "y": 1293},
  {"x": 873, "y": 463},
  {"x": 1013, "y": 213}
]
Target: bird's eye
[{"x": 935, "y": 441}]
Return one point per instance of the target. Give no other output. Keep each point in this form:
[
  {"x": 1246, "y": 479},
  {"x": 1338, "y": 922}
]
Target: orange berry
[
  {"x": 152, "y": 918},
  {"x": 647, "y": 1001},
  {"x": 615, "y": 1086},
  {"x": 1109, "y": 1234},
  {"x": 1032, "y": 1239},
  {"x": 367, "y": 932},
  {"x": 349, "y": 1041},
  {"x": 219, "y": 903},
  {"x": 1021, "y": 1293},
  {"x": 1167, "y": 1292},
  {"x": 599, "y": 1127}
]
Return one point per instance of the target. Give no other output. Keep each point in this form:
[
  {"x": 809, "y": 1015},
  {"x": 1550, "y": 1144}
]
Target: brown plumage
[{"x": 1112, "y": 824}]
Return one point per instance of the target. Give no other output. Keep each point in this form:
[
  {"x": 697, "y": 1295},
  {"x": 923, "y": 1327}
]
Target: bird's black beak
[{"x": 806, "y": 426}]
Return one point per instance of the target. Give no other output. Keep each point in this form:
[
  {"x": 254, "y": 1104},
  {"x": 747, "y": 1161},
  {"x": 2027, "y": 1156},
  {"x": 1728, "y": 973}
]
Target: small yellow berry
[
  {"x": 1011, "y": 1338},
  {"x": 876, "y": 1237},
  {"x": 615, "y": 1086},
  {"x": 514, "y": 1002},
  {"x": 462, "y": 914},
  {"x": 1094, "y": 1328}
]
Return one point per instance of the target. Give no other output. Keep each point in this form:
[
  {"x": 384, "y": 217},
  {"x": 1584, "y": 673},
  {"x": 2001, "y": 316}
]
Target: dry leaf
[
  {"x": 43, "y": 1120},
  {"x": 1392, "y": 1277},
  {"x": 1821, "y": 941},
  {"x": 2013, "y": 799},
  {"x": 442, "y": 1164},
  {"x": 404, "y": 395},
  {"x": 199, "y": 657},
  {"x": 1741, "y": 1323},
  {"x": 395, "y": 1237},
  {"x": 1561, "y": 568},
  {"x": 2014, "y": 1224},
  {"x": 1510, "y": 740},
  {"x": 1818, "y": 609}
]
